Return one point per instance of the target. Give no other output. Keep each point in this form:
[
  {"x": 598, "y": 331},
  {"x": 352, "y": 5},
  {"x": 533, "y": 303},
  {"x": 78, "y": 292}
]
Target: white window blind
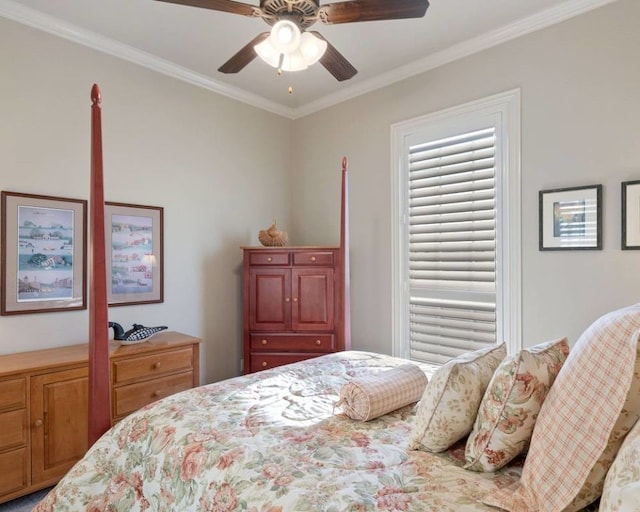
[
  {"x": 452, "y": 245},
  {"x": 456, "y": 230}
]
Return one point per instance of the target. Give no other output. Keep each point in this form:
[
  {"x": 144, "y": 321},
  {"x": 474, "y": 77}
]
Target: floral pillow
[
  {"x": 592, "y": 405},
  {"x": 622, "y": 485},
  {"x": 511, "y": 404},
  {"x": 451, "y": 399}
]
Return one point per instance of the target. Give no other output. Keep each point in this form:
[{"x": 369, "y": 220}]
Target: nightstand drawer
[
  {"x": 13, "y": 429},
  {"x": 127, "y": 399},
  {"x": 269, "y": 258},
  {"x": 323, "y": 258},
  {"x": 292, "y": 342},
  {"x": 152, "y": 365},
  {"x": 13, "y": 393}
]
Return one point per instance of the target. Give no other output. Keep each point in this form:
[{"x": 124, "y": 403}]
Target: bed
[
  {"x": 271, "y": 441},
  {"x": 274, "y": 441}
]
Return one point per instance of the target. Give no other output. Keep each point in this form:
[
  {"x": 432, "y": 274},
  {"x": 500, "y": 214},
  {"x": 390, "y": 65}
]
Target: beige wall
[
  {"x": 221, "y": 175},
  {"x": 580, "y": 86},
  {"x": 211, "y": 162}
]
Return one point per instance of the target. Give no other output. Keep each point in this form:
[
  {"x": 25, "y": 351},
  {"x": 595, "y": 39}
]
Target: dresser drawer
[
  {"x": 127, "y": 399},
  {"x": 266, "y": 361},
  {"x": 13, "y": 393},
  {"x": 269, "y": 258},
  {"x": 323, "y": 258},
  {"x": 152, "y": 365},
  {"x": 13, "y": 429},
  {"x": 292, "y": 342},
  {"x": 13, "y": 471}
]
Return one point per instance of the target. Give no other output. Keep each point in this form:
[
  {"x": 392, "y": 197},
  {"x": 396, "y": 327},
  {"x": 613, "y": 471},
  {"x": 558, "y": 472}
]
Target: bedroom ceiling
[{"x": 191, "y": 43}]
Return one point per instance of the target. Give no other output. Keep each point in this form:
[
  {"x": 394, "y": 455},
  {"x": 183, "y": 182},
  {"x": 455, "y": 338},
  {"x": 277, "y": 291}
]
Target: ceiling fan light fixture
[
  {"x": 312, "y": 48},
  {"x": 285, "y": 36},
  {"x": 294, "y": 62},
  {"x": 268, "y": 53}
]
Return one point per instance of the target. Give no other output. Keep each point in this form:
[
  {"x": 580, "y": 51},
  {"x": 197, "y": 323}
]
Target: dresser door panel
[
  {"x": 59, "y": 422},
  {"x": 270, "y": 300},
  {"x": 312, "y": 300}
]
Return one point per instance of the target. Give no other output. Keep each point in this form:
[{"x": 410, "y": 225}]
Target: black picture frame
[
  {"x": 630, "y": 219},
  {"x": 570, "y": 218}
]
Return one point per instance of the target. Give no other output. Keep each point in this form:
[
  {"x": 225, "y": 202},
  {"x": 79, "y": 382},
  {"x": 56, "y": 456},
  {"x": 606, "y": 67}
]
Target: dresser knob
[
  {"x": 295, "y": 299},
  {"x": 269, "y": 259},
  {"x": 156, "y": 366},
  {"x": 37, "y": 423},
  {"x": 287, "y": 299},
  {"x": 264, "y": 364},
  {"x": 318, "y": 342},
  {"x": 264, "y": 342},
  {"x": 156, "y": 394},
  {"x": 313, "y": 258}
]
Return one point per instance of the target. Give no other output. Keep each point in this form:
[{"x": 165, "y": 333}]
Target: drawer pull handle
[
  {"x": 313, "y": 258},
  {"x": 156, "y": 394},
  {"x": 264, "y": 364},
  {"x": 287, "y": 299},
  {"x": 37, "y": 423},
  {"x": 264, "y": 342},
  {"x": 295, "y": 299},
  {"x": 156, "y": 366},
  {"x": 269, "y": 259},
  {"x": 318, "y": 342}
]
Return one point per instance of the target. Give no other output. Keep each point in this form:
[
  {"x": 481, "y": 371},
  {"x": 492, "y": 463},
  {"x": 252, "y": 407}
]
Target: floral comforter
[{"x": 271, "y": 442}]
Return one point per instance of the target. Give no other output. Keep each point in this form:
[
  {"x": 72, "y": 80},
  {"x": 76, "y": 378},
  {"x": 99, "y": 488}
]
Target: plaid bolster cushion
[{"x": 368, "y": 397}]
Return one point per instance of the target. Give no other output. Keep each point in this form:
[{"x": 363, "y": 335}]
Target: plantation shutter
[{"x": 452, "y": 245}]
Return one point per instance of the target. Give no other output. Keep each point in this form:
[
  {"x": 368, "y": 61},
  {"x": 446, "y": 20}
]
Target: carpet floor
[{"x": 24, "y": 504}]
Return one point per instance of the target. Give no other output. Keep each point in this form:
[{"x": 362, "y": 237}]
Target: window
[{"x": 456, "y": 230}]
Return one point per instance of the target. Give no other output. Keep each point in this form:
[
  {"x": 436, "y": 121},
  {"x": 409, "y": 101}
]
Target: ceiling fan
[{"x": 289, "y": 46}]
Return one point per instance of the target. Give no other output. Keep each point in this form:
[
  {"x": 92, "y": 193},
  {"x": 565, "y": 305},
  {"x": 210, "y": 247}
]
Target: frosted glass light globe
[{"x": 285, "y": 36}]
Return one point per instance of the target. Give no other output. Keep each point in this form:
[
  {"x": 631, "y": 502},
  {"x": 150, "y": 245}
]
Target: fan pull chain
[{"x": 280, "y": 61}]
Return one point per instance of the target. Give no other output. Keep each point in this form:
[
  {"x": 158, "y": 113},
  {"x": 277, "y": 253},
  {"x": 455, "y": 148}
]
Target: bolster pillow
[{"x": 368, "y": 397}]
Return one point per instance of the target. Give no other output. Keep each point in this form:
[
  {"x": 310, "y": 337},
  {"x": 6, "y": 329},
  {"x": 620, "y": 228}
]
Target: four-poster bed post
[
  {"x": 345, "y": 307},
  {"x": 99, "y": 399}
]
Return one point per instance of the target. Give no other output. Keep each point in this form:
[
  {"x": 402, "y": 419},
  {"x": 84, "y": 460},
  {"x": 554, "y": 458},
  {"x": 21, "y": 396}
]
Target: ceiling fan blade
[
  {"x": 372, "y": 10},
  {"x": 217, "y": 5},
  {"x": 335, "y": 63},
  {"x": 244, "y": 56}
]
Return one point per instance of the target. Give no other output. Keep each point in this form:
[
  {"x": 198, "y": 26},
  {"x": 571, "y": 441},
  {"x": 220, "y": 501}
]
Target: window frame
[{"x": 503, "y": 111}]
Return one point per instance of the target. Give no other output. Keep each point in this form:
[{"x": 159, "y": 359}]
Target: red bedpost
[
  {"x": 344, "y": 255},
  {"x": 99, "y": 399}
]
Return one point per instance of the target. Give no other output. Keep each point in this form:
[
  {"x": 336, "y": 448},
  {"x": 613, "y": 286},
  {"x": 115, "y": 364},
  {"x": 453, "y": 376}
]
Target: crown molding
[
  {"x": 538, "y": 21},
  {"x": 38, "y": 20}
]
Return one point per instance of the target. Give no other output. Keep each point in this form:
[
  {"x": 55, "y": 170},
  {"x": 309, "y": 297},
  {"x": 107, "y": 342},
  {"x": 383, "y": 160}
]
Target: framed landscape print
[
  {"x": 43, "y": 254},
  {"x": 571, "y": 218},
  {"x": 134, "y": 244},
  {"x": 631, "y": 215}
]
